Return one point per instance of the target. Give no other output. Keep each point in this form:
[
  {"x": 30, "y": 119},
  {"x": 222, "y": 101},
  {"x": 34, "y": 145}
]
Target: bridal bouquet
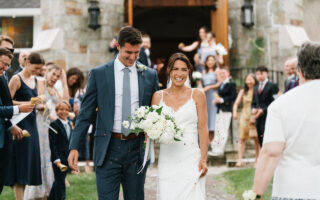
[
  {"x": 157, "y": 122},
  {"x": 219, "y": 48}
]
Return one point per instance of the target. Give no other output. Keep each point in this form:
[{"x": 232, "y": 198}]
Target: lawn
[
  {"x": 241, "y": 180},
  {"x": 82, "y": 187}
]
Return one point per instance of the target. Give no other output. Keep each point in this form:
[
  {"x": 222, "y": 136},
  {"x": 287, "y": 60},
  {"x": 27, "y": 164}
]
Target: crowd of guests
[
  {"x": 52, "y": 98},
  {"x": 34, "y": 163}
]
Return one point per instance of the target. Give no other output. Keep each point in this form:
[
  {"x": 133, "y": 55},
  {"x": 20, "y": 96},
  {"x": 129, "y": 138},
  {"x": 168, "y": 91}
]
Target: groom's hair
[{"x": 129, "y": 35}]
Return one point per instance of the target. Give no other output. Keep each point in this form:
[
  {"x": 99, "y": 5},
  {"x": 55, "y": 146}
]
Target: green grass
[
  {"x": 240, "y": 180},
  {"x": 82, "y": 187}
]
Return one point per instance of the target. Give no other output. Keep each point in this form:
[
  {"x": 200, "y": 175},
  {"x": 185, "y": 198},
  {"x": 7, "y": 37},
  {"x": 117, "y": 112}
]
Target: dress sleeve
[{"x": 274, "y": 131}]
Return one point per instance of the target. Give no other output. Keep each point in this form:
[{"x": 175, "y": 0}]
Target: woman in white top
[{"x": 292, "y": 136}]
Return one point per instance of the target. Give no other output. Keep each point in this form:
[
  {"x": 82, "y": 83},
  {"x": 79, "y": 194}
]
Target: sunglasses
[{"x": 12, "y": 50}]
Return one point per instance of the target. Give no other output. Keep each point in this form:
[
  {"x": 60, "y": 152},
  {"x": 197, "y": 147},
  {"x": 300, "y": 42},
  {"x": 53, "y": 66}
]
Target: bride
[{"x": 183, "y": 165}]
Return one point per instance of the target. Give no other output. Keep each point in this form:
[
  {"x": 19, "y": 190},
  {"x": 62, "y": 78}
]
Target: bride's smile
[{"x": 179, "y": 73}]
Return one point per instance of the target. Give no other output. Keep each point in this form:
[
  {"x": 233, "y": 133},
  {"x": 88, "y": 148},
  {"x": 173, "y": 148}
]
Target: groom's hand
[{"x": 73, "y": 159}]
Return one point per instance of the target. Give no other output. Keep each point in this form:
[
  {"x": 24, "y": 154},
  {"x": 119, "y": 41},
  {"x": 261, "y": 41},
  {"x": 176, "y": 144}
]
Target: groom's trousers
[{"x": 121, "y": 166}]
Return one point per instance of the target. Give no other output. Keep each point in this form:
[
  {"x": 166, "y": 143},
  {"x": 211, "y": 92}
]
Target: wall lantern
[
  {"x": 247, "y": 14},
  {"x": 94, "y": 12}
]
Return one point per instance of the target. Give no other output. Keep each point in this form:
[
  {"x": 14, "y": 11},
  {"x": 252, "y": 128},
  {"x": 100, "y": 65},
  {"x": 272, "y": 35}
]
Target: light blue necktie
[
  {"x": 221, "y": 86},
  {"x": 126, "y": 100},
  {"x": 67, "y": 128}
]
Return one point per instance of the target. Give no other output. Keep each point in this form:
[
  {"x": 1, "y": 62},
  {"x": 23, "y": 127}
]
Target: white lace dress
[{"x": 178, "y": 172}]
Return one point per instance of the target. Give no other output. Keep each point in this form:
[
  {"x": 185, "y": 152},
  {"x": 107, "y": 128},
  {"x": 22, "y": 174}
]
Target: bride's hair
[{"x": 183, "y": 58}]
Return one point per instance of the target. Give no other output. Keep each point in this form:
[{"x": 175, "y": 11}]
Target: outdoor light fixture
[
  {"x": 94, "y": 12},
  {"x": 247, "y": 14}
]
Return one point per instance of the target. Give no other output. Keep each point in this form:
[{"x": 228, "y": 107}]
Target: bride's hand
[{"x": 203, "y": 167}]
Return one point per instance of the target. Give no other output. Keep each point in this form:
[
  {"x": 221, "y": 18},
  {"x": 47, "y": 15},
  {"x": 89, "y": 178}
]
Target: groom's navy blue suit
[{"x": 116, "y": 161}]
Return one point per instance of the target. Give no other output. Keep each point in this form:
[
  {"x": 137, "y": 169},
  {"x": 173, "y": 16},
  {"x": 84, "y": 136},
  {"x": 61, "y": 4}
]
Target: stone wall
[
  {"x": 269, "y": 17},
  {"x": 82, "y": 47}
]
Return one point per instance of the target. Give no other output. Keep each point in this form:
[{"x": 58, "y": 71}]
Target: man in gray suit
[{"x": 116, "y": 89}]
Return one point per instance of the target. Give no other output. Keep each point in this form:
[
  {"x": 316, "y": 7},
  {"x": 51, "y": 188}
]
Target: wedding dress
[{"x": 178, "y": 171}]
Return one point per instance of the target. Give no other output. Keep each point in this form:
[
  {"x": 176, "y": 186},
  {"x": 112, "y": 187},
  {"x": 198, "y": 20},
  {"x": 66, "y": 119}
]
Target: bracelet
[{"x": 204, "y": 161}]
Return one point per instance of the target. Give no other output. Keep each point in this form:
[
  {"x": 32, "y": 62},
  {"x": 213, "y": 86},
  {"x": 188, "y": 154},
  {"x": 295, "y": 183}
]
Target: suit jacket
[
  {"x": 264, "y": 99},
  {"x": 6, "y": 110},
  {"x": 59, "y": 143},
  {"x": 229, "y": 94},
  {"x": 143, "y": 58},
  {"x": 100, "y": 93}
]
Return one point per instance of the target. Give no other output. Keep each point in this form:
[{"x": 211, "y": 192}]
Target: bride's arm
[{"x": 201, "y": 104}]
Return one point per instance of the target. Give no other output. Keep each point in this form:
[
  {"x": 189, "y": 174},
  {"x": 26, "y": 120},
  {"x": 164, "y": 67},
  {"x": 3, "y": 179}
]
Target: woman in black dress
[{"x": 25, "y": 166}]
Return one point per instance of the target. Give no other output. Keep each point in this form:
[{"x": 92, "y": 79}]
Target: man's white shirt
[{"x": 134, "y": 88}]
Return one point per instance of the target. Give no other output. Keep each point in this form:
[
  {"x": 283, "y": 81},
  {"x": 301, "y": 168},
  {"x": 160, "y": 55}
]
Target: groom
[{"x": 116, "y": 89}]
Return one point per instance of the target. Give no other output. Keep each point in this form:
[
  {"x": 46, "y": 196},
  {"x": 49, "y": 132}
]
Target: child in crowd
[{"x": 59, "y": 145}]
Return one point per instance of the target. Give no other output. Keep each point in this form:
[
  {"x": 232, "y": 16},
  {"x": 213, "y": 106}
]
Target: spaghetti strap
[
  {"x": 191, "y": 93},
  {"x": 161, "y": 96}
]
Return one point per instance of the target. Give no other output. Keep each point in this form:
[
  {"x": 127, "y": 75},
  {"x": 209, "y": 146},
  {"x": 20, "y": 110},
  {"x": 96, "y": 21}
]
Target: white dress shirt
[
  {"x": 134, "y": 88},
  {"x": 263, "y": 84},
  {"x": 294, "y": 119}
]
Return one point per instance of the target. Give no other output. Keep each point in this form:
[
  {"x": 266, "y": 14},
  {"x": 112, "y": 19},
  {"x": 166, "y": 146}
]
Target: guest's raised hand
[
  {"x": 27, "y": 107},
  {"x": 73, "y": 159},
  {"x": 203, "y": 167},
  {"x": 16, "y": 133}
]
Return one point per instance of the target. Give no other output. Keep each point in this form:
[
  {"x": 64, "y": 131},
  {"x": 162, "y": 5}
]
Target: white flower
[
  {"x": 249, "y": 195},
  {"x": 146, "y": 124},
  {"x": 166, "y": 110},
  {"x": 196, "y": 75},
  {"x": 153, "y": 116},
  {"x": 167, "y": 137},
  {"x": 219, "y": 48},
  {"x": 140, "y": 112},
  {"x": 141, "y": 67},
  {"x": 125, "y": 124},
  {"x": 170, "y": 124},
  {"x": 153, "y": 134},
  {"x": 133, "y": 126},
  {"x": 159, "y": 126}
]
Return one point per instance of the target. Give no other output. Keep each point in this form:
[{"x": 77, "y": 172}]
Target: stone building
[{"x": 59, "y": 29}]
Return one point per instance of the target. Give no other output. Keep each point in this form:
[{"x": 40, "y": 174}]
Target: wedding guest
[
  {"x": 211, "y": 84},
  {"x": 226, "y": 94},
  {"x": 22, "y": 60},
  {"x": 198, "y": 45},
  {"x": 144, "y": 55},
  {"x": 46, "y": 113},
  {"x": 112, "y": 48},
  {"x": 247, "y": 128},
  {"x": 6, "y": 42},
  {"x": 25, "y": 166},
  {"x": 210, "y": 50},
  {"x": 289, "y": 152},
  {"x": 264, "y": 94},
  {"x": 75, "y": 81},
  {"x": 291, "y": 70},
  {"x": 59, "y": 145},
  {"x": 7, "y": 111}
]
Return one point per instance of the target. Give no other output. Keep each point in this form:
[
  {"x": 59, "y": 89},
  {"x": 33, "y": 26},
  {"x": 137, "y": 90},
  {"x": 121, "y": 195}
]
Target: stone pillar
[{"x": 82, "y": 47}]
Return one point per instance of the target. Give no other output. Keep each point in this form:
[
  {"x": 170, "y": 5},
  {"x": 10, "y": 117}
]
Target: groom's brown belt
[{"x": 123, "y": 137}]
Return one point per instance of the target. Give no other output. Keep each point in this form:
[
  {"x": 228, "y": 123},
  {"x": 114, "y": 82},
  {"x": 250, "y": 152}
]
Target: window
[{"x": 20, "y": 29}]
